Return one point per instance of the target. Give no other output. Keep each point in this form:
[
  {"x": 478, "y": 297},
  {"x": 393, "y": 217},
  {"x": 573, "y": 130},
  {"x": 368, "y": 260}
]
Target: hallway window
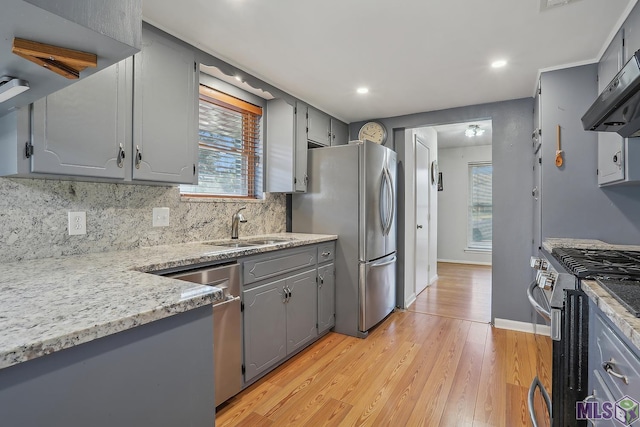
[{"x": 480, "y": 229}]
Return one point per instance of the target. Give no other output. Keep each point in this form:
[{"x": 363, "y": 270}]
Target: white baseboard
[
  {"x": 433, "y": 279},
  {"x": 513, "y": 325},
  {"x": 455, "y": 261},
  {"x": 411, "y": 300}
]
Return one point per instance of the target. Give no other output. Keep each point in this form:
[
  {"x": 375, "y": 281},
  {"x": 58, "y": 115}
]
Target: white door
[{"x": 423, "y": 188}]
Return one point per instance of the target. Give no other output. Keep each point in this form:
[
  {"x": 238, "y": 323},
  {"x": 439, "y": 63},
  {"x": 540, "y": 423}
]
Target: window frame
[
  {"x": 233, "y": 92},
  {"x": 472, "y": 244}
]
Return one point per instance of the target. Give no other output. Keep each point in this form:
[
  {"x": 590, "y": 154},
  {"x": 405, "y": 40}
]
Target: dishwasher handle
[{"x": 229, "y": 300}]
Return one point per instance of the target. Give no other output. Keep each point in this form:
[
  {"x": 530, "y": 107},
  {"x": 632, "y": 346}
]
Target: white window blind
[
  {"x": 480, "y": 228},
  {"x": 230, "y": 147}
]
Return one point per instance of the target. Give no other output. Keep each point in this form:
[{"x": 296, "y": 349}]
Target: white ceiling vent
[
  {"x": 10, "y": 87},
  {"x": 548, "y": 4}
]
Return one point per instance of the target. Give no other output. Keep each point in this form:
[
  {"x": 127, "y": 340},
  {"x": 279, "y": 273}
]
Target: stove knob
[
  {"x": 547, "y": 281},
  {"x": 539, "y": 263}
]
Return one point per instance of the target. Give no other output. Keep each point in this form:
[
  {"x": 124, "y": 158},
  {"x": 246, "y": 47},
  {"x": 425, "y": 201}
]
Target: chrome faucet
[{"x": 235, "y": 220}]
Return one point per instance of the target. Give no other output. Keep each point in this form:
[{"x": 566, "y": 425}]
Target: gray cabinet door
[
  {"x": 265, "y": 327},
  {"x": 339, "y": 132},
  {"x": 632, "y": 33},
  {"x": 319, "y": 127},
  {"x": 301, "y": 178},
  {"x": 80, "y": 130},
  {"x": 280, "y": 147},
  {"x": 326, "y": 297},
  {"x": 610, "y": 145},
  {"x": 301, "y": 310},
  {"x": 165, "y": 122}
]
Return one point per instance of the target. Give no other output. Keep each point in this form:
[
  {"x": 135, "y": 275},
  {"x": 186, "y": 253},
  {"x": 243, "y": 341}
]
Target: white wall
[{"x": 452, "y": 203}]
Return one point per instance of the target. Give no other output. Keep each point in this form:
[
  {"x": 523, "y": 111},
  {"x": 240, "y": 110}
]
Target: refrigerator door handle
[
  {"x": 382, "y": 264},
  {"x": 392, "y": 200},
  {"x": 382, "y": 201}
]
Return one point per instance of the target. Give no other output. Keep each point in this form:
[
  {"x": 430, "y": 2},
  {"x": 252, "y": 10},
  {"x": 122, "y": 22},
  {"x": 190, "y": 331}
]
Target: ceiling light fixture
[
  {"x": 499, "y": 64},
  {"x": 474, "y": 130},
  {"x": 362, "y": 90}
]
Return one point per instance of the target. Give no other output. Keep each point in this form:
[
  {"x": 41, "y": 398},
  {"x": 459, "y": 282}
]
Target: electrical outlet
[
  {"x": 77, "y": 223},
  {"x": 160, "y": 217}
]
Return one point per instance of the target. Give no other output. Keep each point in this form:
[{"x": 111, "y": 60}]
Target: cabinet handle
[
  {"x": 138, "y": 157},
  {"x": 286, "y": 295},
  {"x": 120, "y": 159},
  {"x": 290, "y": 294},
  {"x": 326, "y": 254},
  {"x": 608, "y": 368},
  {"x": 306, "y": 179},
  {"x": 321, "y": 281}
]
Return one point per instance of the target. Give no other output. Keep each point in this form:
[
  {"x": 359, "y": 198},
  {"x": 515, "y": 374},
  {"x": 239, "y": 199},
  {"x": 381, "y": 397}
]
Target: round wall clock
[{"x": 374, "y": 132}]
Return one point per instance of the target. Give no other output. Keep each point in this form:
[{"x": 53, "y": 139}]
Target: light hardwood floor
[{"x": 414, "y": 369}]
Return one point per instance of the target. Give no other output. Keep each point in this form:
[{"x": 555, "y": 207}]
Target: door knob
[{"x": 419, "y": 226}]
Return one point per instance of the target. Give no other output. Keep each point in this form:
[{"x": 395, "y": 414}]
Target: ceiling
[
  {"x": 452, "y": 135},
  {"x": 413, "y": 55}
]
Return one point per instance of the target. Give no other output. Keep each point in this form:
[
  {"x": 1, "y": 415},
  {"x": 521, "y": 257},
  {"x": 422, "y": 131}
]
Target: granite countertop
[
  {"x": 50, "y": 304},
  {"x": 619, "y": 315}
]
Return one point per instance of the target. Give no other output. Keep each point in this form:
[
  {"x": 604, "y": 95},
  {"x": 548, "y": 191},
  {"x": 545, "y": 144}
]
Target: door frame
[{"x": 417, "y": 140}]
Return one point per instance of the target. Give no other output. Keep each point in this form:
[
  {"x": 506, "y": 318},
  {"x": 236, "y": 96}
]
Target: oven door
[{"x": 540, "y": 403}]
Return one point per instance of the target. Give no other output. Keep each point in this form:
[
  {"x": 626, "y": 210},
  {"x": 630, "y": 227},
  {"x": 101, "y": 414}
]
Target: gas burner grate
[{"x": 589, "y": 263}]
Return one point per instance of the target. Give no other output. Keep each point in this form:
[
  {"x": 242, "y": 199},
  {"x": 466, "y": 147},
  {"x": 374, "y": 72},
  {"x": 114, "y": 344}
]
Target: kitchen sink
[
  {"x": 267, "y": 241},
  {"x": 234, "y": 244}
]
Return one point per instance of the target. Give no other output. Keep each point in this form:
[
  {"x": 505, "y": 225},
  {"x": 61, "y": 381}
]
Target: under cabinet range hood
[{"x": 617, "y": 109}]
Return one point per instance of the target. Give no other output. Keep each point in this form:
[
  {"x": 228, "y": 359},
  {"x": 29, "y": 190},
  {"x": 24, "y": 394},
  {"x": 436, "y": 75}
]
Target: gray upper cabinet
[
  {"x": 318, "y": 127},
  {"x": 632, "y": 33},
  {"x": 339, "y": 132},
  {"x": 286, "y": 147},
  {"x": 617, "y": 156},
  {"x": 73, "y": 134},
  {"x": 110, "y": 30},
  {"x": 165, "y": 122}
]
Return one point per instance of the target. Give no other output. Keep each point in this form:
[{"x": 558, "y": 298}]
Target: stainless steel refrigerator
[{"x": 352, "y": 193}]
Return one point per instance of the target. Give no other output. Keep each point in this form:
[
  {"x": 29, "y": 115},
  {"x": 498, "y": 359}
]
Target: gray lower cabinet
[
  {"x": 157, "y": 374},
  {"x": 614, "y": 367},
  {"x": 165, "y": 122},
  {"x": 279, "y": 318},
  {"x": 326, "y": 297}
]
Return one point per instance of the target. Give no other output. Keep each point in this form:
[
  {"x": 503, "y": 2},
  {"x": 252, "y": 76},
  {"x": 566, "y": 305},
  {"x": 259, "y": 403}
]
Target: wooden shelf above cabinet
[{"x": 65, "y": 62}]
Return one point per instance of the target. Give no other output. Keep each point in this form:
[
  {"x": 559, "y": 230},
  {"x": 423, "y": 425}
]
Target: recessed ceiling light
[
  {"x": 499, "y": 64},
  {"x": 363, "y": 90}
]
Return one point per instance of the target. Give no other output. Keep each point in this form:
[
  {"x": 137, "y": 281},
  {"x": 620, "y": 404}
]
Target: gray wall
[
  {"x": 512, "y": 184},
  {"x": 572, "y": 203}
]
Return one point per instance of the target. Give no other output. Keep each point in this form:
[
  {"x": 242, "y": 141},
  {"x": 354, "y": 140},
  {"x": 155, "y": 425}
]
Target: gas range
[{"x": 617, "y": 271}]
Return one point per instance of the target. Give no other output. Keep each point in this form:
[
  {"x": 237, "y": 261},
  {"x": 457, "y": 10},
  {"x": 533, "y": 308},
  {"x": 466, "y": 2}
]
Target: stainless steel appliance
[
  {"x": 352, "y": 193},
  {"x": 556, "y": 294},
  {"x": 617, "y": 109},
  {"x": 227, "y": 326}
]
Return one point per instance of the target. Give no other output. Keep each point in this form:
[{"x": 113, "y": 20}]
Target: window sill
[
  {"x": 192, "y": 199},
  {"x": 478, "y": 250}
]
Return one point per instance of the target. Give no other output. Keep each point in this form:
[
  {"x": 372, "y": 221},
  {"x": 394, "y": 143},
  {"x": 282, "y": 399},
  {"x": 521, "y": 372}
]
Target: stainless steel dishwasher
[{"x": 227, "y": 324}]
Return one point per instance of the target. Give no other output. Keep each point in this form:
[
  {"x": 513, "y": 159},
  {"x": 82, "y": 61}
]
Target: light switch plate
[
  {"x": 77, "y": 223},
  {"x": 160, "y": 217}
]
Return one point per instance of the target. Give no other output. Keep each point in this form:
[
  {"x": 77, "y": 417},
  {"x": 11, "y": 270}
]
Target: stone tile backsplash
[{"x": 33, "y": 217}]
